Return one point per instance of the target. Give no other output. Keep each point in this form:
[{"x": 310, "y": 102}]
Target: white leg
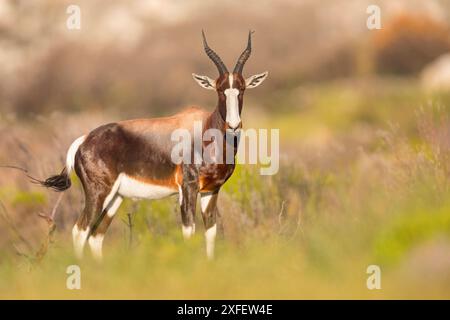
[
  {"x": 208, "y": 203},
  {"x": 75, "y": 234},
  {"x": 180, "y": 195},
  {"x": 96, "y": 241},
  {"x": 96, "y": 244},
  {"x": 188, "y": 231},
  {"x": 79, "y": 238},
  {"x": 210, "y": 236}
]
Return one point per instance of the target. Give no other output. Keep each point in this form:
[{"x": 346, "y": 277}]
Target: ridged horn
[
  {"x": 214, "y": 56},
  {"x": 244, "y": 55}
]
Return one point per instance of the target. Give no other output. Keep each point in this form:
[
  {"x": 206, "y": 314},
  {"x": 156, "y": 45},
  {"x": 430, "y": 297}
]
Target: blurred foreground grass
[
  {"x": 363, "y": 181},
  {"x": 329, "y": 263},
  {"x": 324, "y": 254}
]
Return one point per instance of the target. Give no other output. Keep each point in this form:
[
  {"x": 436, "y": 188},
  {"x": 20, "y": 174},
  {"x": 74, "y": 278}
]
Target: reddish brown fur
[{"x": 141, "y": 149}]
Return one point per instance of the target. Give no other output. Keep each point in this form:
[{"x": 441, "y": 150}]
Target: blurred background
[{"x": 365, "y": 146}]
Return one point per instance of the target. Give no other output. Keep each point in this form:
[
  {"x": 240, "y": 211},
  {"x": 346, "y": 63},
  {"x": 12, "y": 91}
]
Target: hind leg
[
  {"x": 100, "y": 226},
  {"x": 82, "y": 230},
  {"x": 98, "y": 190}
]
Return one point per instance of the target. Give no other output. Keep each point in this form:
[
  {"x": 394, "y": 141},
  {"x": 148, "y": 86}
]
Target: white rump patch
[{"x": 70, "y": 159}]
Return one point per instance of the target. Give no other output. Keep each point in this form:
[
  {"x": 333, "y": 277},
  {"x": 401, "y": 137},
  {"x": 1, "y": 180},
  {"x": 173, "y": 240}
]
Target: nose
[{"x": 234, "y": 128}]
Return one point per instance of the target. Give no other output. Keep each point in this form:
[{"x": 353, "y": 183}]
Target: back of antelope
[{"x": 133, "y": 159}]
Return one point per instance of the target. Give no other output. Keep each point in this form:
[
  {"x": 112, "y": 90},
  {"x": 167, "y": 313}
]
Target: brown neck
[{"x": 215, "y": 121}]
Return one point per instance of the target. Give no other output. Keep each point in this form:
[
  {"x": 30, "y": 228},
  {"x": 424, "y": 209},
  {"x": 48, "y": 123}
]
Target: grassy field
[{"x": 363, "y": 180}]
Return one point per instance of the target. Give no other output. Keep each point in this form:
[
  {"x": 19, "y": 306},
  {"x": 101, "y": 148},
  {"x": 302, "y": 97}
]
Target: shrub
[{"x": 408, "y": 42}]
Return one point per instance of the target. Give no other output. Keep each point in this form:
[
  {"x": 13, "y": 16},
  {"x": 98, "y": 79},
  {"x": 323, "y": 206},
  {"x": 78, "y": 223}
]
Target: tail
[{"x": 61, "y": 182}]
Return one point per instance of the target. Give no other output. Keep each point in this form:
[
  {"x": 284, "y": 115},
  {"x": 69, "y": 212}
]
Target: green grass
[
  {"x": 335, "y": 107},
  {"x": 23, "y": 198},
  {"x": 310, "y": 231},
  {"x": 410, "y": 229},
  {"x": 326, "y": 257}
]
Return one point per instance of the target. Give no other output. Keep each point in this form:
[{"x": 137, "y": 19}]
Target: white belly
[{"x": 132, "y": 188}]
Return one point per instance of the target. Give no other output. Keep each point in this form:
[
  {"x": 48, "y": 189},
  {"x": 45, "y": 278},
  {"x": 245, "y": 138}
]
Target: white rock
[{"x": 436, "y": 75}]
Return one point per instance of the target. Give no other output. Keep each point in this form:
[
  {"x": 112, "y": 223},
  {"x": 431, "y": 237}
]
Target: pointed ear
[
  {"x": 205, "y": 81},
  {"x": 255, "y": 80}
]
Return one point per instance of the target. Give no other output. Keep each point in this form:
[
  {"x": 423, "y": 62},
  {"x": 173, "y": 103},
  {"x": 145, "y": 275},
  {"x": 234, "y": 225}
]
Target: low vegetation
[{"x": 363, "y": 180}]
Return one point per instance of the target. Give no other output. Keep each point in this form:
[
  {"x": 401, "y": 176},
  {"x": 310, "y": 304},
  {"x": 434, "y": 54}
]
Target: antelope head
[{"x": 230, "y": 87}]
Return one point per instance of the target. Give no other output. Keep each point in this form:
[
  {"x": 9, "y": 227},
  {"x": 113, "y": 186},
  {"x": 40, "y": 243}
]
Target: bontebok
[{"x": 133, "y": 159}]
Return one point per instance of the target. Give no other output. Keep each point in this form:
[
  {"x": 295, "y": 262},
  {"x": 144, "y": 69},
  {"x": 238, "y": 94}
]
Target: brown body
[
  {"x": 133, "y": 159},
  {"x": 141, "y": 149}
]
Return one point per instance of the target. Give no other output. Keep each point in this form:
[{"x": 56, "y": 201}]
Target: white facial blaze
[{"x": 233, "y": 119}]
